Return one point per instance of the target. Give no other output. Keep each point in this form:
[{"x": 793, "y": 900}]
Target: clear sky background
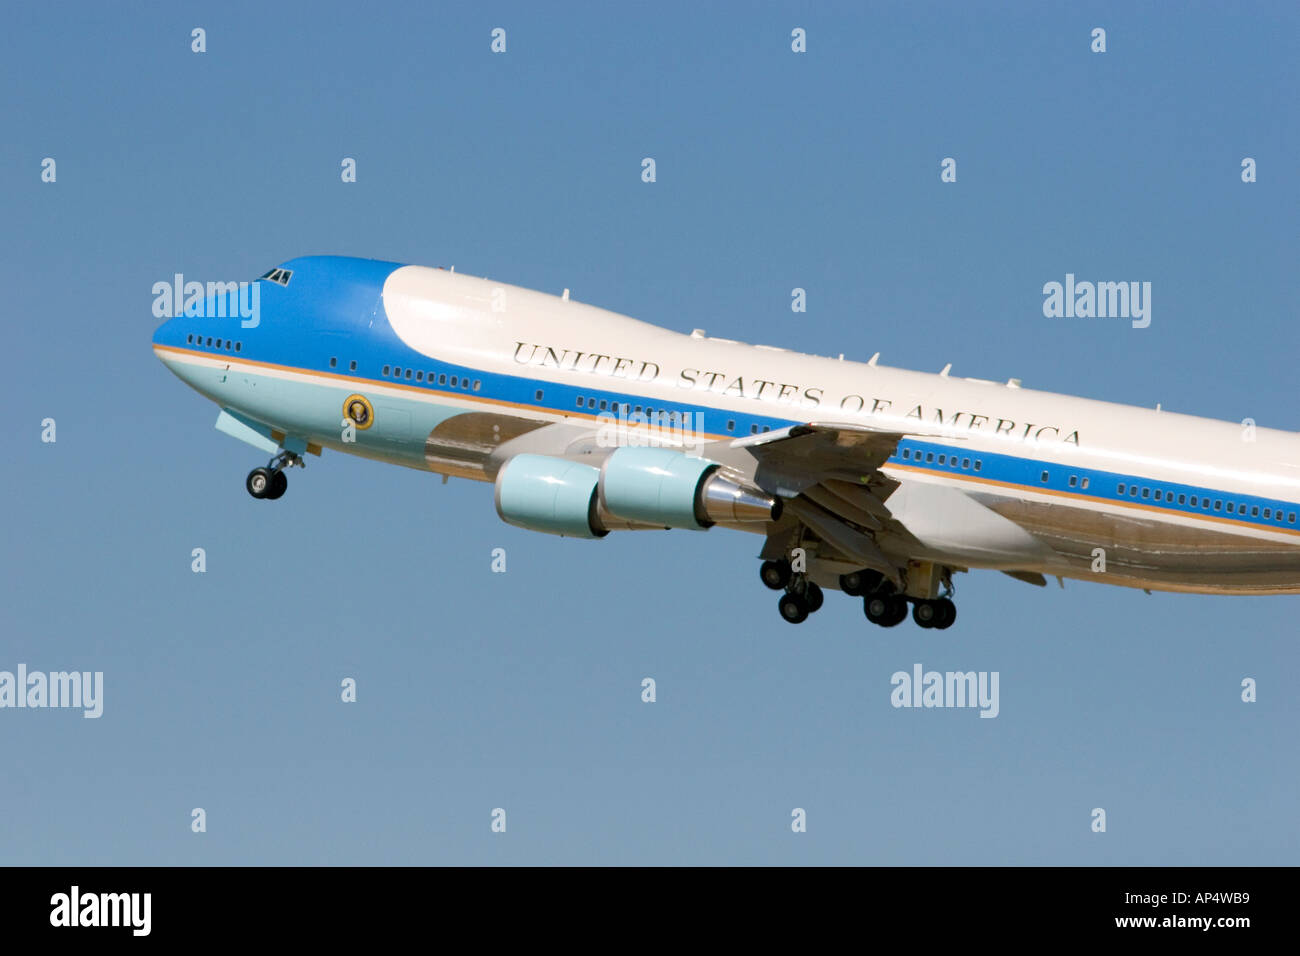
[{"x": 522, "y": 690}]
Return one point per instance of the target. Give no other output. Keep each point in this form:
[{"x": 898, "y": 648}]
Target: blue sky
[{"x": 522, "y": 690}]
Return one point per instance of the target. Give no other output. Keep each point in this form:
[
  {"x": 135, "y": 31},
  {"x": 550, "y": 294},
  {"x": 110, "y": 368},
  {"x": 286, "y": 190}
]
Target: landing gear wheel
[
  {"x": 858, "y": 583},
  {"x": 813, "y": 595},
  {"x": 927, "y": 613},
  {"x": 793, "y": 608},
  {"x": 775, "y": 574},
  {"x": 947, "y": 613},
  {"x": 279, "y": 484},
  {"x": 884, "y": 609},
  {"x": 259, "y": 482}
]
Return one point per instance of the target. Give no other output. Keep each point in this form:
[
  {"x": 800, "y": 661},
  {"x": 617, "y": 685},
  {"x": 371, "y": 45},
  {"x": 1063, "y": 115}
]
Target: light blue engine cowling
[
  {"x": 655, "y": 485},
  {"x": 660, "y": 486},
  {"x": 547, "y": 494}
]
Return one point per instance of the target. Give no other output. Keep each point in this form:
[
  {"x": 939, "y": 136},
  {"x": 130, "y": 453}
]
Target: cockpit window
[{"x": 279, "y": 276}]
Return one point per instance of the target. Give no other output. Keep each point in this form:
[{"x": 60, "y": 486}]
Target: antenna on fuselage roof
[
  {"x": 946, "y": 369},
  {"x": 565, "y": 297},
  {"x": 872, "y": 360}
]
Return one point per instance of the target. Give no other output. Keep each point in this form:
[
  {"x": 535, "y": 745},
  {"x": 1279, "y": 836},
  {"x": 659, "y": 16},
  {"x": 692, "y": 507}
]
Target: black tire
[
  {"x": 813, "y": 595},
  {"x": 882, "y": 608},
  {"x": 258, "y": 482},
  {"x": 279, "y": 484},
  {"x": 858, "y": 583},
  {"x": 775, "y": 574},
  {"x": 793, "y": 608},
  {"x": 927, "y": 614},
  {"x": 947, "y": 613},
  {"x": 899, "y": 610}
]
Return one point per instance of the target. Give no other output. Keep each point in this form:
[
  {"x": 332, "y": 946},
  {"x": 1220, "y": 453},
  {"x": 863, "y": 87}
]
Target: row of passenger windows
[
  {"x": 1205, "y": 504},
  {"x": 605, "y": 405},
  {"x": 227, "y": 344},
  {"x": 1132, "y": 491},
  {"x": 674, "y": 416},
  {"x": 419, "y": 375},
  {"x": 950, "y": 461}
]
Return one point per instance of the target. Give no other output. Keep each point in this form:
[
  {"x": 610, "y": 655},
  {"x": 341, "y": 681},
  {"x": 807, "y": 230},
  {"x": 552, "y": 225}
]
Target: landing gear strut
[{"x": 271, "y": 482}]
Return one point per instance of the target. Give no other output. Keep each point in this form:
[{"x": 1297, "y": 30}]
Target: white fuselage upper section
[{"x": 516, "y": 331}]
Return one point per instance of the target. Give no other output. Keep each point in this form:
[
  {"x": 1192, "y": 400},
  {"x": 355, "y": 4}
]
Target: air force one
[{"x": 879, "y": 482}]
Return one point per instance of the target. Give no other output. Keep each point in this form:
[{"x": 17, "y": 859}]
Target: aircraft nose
[{"x": 160, "y": 333}]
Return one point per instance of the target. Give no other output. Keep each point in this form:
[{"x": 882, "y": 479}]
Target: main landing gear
[
  {"x": 801, "y": 596},
  {"x": 271, "y": 482},
  {"x": 882, "y": 602}
]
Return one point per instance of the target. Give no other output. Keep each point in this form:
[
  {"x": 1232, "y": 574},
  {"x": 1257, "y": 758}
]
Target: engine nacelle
[
  {"x": 552, "y": 495},
  {"x": 663, "y": 487}
]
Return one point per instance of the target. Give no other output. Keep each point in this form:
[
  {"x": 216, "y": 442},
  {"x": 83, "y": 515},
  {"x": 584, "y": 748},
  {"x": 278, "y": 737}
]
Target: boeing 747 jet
[{"x": 878, "y": 482}]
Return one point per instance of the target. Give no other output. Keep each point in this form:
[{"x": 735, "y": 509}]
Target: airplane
[{"x": 878, "y": 482}]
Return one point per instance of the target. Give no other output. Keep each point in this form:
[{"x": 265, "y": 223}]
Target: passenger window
[
  {"x": 929, "y": 457},
  {"x": 408, "y": 374},
  {"x": 189, "y": 339},
  {"x": 209, "y": 342},
  {"x": 731, "y": 426},
  {"x": 1085, "y": 484},
  {"x": 334, "y": 363},
  {"x": 943, "y": 459},
  {"x": 442, "y": 379},
  {"x": 385, "y": 371},
  {"x": 536, "y": 395},
  {"x": 477, "y": 382},
  {"x": 1254, "y": 512},
  {"x": 1267, "y": 513},
  {"x": 1044, "y": 477},
  {"x": 1231, "y": 507},
  {"x": 397, "y": 372},
  {"x": 1182, "y": 499},
  {"x": 1073, "y": 480},
  {"x": 1121, "y": 487},
  {"x": 1192, "y": 501},
  {"x": 1218, "y": 505},
  {"x": 454, "y": 380},
  {"x": 352, "y": 366},
  {"x": 1158, "y": 494},
  {"x": 1146, "y": 492},
  {"x": 965, "y": 462},
  {"x": 419, "y": 376},
  {"x": 979, "y": 463},
  {"x": 237, "y": 345},
  {"x": 603, "y": 403},
  {"x": 580, "y": 401}
]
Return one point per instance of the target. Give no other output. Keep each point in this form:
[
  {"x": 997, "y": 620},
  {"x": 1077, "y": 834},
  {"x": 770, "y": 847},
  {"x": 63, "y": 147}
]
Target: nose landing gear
[{"x": 271, "y": 482}]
